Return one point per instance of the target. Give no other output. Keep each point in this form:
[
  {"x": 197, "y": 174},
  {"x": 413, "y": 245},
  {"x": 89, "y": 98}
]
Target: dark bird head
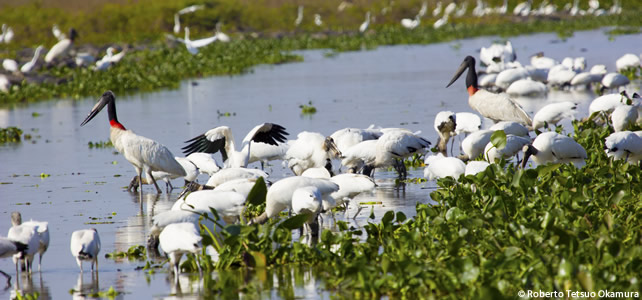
[
  {"x": 107, "y": 98},
  {"x": 73, "y": 34}
]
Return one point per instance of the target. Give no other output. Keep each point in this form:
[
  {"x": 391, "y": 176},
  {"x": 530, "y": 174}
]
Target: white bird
[
  {"x": 616, "y": 8},
  {"x": 474, "y": 144},
  {"x": 624, "y": 116},
  {"x": 351, "y": 185},
  {"x": 513, "y": 145},
  {"x": 242, "y": 186},
  {"x": 523, "y": 9},
  {"x": 395, "y": 145},
  {"x": 502, "y": 9},
  {"x": 299, "y": 16},
  {"x": 552, "y": 113},
  {"x": 4, "y": 83},
  {"x": 506, "y": 77},
  {"x": 178, "y": 239},
  {"x": 552, "y": 147},
  {"x": 614, "y": 80},
  {"x": 204, "y": 162},
  {"x": 42, "y": 232},
  {"x": 445, "y": 124},
  {"x": 192, "y": 46},
  {"x": 7, "y": 34},
  {"x": 497, "y": 53},
  {"x": 607, "y": 103},
  {"x": 624, "y": 145},
  {"x": 475, "y": 166},
  {"x": 10, "y": 65},
  {"x": 513, "y": 128},
  {"x": 310, "y": 150},
  {"x": 527, "y": 87},
  {"x": 264, "y": 153},
  {"x": 27, "y": 67},
  {"x": 177, "y": 24},
  {"x": 220, "y": 35},
  {"x": 440, "y": 22},
  {"x": 26, "y": 234},
  {"x": 360, "y": 155},
  {"x": 450, "y": 8},
  {"x": 410, "y": 23},
  {"x": 191, "y": 9},
  {"x": 307, "y": 200},
  {"x": 85, "y": 245},
  {"x": 279, "y": 196},
  {"x": 462, "y": 10},
  {"x": 585, "y": 79},
  {"x": 228, "y": 174},
  {"x": 57, "y": 32},
  {"x": 84, "y": 59},
  {"x": 487, "y": 80},
  {"x": 348, "y": 137},
  {"x": 61, "y": 48},
  {"x": 143, "y": 153},
  {"x": 467, "y": 123},
  {"x": 317, "y": 20},
  {"x": 190, "y": 168},
  {"x": 437, "y": 10},
  {"x": 480, "y": 9},
  {"x": 439, "y": 166},
  {"x": 9, "y": 248},
  {"x": 365, "y": 24},
  {"x": 540, "y": 61},
  {"x": 221, "y": 139},
  {"x": 560, "y": 76},
  {"x": 423, "y": 9},
  {"x": 497, "y": 107}
]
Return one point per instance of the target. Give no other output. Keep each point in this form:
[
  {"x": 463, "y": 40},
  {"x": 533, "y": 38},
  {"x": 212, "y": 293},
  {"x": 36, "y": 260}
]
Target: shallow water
[{"x": 400, "y": 86}]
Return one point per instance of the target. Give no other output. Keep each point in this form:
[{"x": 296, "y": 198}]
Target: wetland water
[{"x": 399, "y": 86}]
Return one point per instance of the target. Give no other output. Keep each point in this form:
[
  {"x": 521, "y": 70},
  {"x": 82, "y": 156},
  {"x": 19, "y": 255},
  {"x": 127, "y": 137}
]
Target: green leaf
[
  {"x": 294, "y": 222},
  {"x": 498, "y": 139},
  {"x": 257, "y": 193}
]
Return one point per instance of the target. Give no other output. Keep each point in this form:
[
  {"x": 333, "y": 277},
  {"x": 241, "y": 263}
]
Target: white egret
[
  {"x": 220, "y": 35},
  {"x": 62, "y": 47},
  {"x": 57, "y": 32},
  {"x": 299, "y": 16},
  {"x": 7, "y": 34},
  {"x": 85, "y": 245},
  {"x": 143, "y": 153},
  {"x": 365, "y": 24},
  {"x": 317, "y": 20},
  {"x": 497, "y": 107},
  {"x": 410, "y": 23},
  {"x": 437, "y": 10},
  {"x": 523, "y": 9},
  {"x": 177, "y": 24},
  {"x": 552, "y": 147},
  {"x": 27, "y": 67},
  {"x": 191, "y": 9},
  {"x": 221, "y": 139},
  {"x": 177, "y": 239},
  {"x": 10, "y": 65}
]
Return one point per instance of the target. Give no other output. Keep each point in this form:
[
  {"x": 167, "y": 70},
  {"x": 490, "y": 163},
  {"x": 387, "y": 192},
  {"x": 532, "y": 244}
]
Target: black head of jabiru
[
  {"x": 471, "y": 77},
  {"x": 108, "y": 99}
]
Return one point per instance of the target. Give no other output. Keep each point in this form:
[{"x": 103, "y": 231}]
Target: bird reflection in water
[
  {"x": 83, "y": 290},
  {"x": 25, "y": 286}
]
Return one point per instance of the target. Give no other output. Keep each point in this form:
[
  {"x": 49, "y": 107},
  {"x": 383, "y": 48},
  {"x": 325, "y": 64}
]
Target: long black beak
[
  {"x": 462, "y": 68},
  {"x": 528, "y": 151},
  {"x": 331, "y": 146},
  {"x": 97, "y": 108}
]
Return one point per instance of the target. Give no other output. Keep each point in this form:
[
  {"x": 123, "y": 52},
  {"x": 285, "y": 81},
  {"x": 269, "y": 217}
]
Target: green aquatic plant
[
  {"x": 308, "y": 109},
  {"x": 10, "y": 135},
  {"x": 137, "y": 252},
  {"x": 99, "y": 145}
]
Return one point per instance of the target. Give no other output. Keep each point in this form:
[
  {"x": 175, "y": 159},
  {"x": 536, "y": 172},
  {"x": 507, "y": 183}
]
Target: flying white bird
[
  {"x": 85, "y": 245},
  {"x": 192, "y": 46},
  {"x": 143, "y": 153}
]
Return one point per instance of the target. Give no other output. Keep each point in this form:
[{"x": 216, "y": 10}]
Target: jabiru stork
[
  {"x": 497, "y": 107},
  {"x": 143, "y": 153}
]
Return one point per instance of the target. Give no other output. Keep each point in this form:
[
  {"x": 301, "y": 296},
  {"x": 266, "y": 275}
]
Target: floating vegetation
[
  {"x": 308, "y": 109},
  {"x": 110, "y": 293},
  {"x": 44, "y": 175},
  {"x": 36, "y": 114},
  {"x": 99, "y": 145},
  {"x": 137, "y": 252},
  {"x": 26, "y": 296},
  {"x": 224, "y": 114},
  {"x": 10, "y": 135}
]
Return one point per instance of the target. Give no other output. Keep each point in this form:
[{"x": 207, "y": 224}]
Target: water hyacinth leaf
[
  {"x": 388, "y": 217},
  {"x": 294, "y": 222},
  {"x": 257, "y": 260},
  {"x": 498, "y": 139},
  {"x": 257, "y": 193},
  {"x": 586, "y": 281}
]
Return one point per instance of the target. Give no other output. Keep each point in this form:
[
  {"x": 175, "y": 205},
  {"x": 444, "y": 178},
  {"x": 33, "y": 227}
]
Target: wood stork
[
  {"x": 437, "y": 10},
  {"x": 364, "y": 26},
  {"x": 9, "y": 248},
  {"x": 307, "y": 200},
  {"x": 242, "y": 186},
  {"x": 585, "y": 79},
  {"x": 192, "y": 46},
  {"x": 57, "y": 32},
  {"x": 552, "y": 147},
  {"x": 523, "y": 9},
  {"x": 624, "y": 145},
  {"x": 10, "y": 65},
  {"x": 540, "y": 61},
  {"x": 204, "y": 162},
  {"x": 348, "y": 137},
  {"x": 553, "y": 113},
  {"x": 395, "y": 145},
  {"x": 26, "y": 234},
  {"x": 143, "y": 153},
  {"x": 624, "y": 116},
  {"x": 279, "y": 196},
  {"x": 351, "y": 185},
  {"x": 223, "y": 176},
  {"x": 506, "y": 77},
  {"x": 178, "y": 239},
  {"x": 42, "y": 232},
  {"x": 607, "y": 103},
  {"x": 360, "y": 155},
  {"x": 220, "y": 35},
  {"x": 440, "y": 22},
  {"x": 513, "y": 145},
  {"x": 475, "y": 166},
  {"x": 85, "y": 245},
  {"x": 467, "y": 123},
  {"x": 560, "y": 76},
  {"x": 496, "y": 53},
  {"x": 317, "y": 20},
  {"x": 221, "y": 139},
  {"x": 474, "y": 144},
  {"x": 411, "y": 23},
  {"x": 264, "y": 153},
  {"x": 614, "y": 80},
  {"x": 497, "y": 107},
  {"x": 440, "y": 166},
  {"x": 311, "y": 150},
  {"x": 527, "y": 87},
  {"x": 299, "y": 16},
  {"x": 27, "y": 67},
  {"x": 513, "y": 128},
  {"x": 62, "y": 47},
  {"x": 445, "y": 124}
]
